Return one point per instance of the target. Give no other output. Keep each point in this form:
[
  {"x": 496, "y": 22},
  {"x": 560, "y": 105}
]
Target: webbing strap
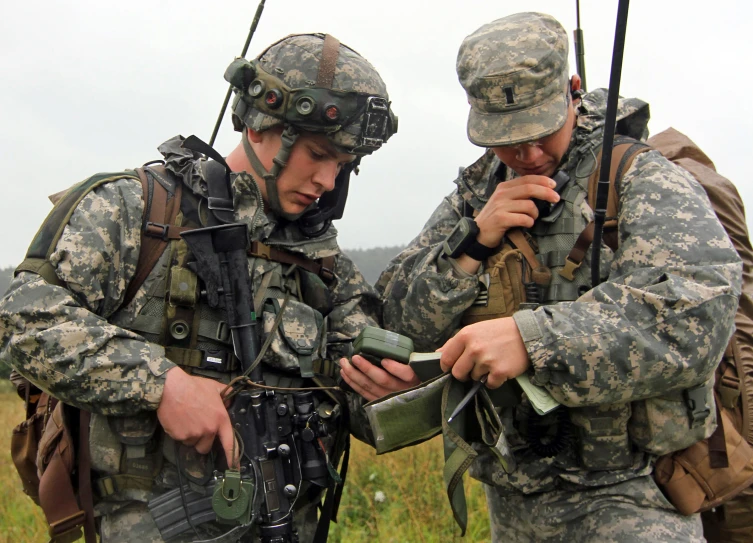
[
  {"x": 459, "y": 454},
  {"x": 521, "y": 243},
  {"x": 57, "y": 497},
  {"x": 539, "y": 274},
  {"x": 107, "y": 486},
  {"x": 42, "y": 267},
  {"x": 328, "y": 62},
  {"x": 85, "y": 477},
  {"x": 324, "y": 267},
  {"x": 191, "y": 358}
]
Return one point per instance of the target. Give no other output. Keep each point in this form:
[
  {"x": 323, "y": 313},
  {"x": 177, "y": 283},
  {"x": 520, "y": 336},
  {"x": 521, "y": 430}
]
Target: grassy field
[{"x": 394, "y": 498}]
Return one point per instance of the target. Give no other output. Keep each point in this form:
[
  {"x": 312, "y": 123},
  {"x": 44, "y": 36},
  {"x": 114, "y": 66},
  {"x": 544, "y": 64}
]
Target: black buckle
[
  {"x": 695, "y": 399},
  {"x": 161, "y": 230},
  {"x": 219, "y": 204}
]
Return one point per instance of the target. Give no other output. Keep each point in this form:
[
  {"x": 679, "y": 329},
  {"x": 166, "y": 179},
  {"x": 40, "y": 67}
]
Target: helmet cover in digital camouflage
[
  {"x": 281, "y": 87},
  {"x": 514, "y": 71}
]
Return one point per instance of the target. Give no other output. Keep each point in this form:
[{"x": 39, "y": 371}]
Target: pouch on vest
[
  {"x": 295, "y": 339},
  {"x": 513, "y": 277},
  {"x": 603, "y": 436}
]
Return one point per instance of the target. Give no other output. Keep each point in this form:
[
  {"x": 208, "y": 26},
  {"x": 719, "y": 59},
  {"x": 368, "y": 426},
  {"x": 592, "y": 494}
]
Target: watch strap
[{"x": 478, "y": 251}]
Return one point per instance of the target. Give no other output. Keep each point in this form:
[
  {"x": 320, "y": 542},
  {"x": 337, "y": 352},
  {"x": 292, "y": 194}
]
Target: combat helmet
[{"x": 311, "y": 82}]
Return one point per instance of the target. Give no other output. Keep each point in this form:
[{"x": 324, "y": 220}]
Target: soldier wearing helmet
[{"x": 150, "y": 363}]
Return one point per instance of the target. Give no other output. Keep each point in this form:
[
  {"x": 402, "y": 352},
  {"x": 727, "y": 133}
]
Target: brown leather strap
[
  {"x": 324, "y": 267},
  {"x": 718, "y": 445},
  {"x": 58, "y": 501},
  {"x": 328, "y": 63},
  {"x": 623, "y": 156},
  {"x": 159, "y": 228},
  {"x": 84, "y": 478}
]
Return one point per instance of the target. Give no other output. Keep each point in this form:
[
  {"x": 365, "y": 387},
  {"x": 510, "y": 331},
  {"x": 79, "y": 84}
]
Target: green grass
[{"x": 414, "y": 508}]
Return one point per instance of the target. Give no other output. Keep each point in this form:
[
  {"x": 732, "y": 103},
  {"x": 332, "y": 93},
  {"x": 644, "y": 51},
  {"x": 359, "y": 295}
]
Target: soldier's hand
[
  {"x": 511, "y": 206},
  {"x": 193, "y": 413},
  {"x": 492, "y": 347},
  {"x": 373, "y": 382}
]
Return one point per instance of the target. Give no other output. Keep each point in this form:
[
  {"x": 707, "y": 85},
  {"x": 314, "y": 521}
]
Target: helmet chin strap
[{"x": 289, "y": 137}]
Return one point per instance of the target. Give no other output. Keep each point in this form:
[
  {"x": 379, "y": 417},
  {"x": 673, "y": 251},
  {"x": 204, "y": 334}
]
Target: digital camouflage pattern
[
  {"x": 631, "y": 512},
  {"x": 657, "y": 325},
  {"x": 295, "y": 60},
  {"x": 75, "y": 342},
  {"x": 514, "y": 72}
]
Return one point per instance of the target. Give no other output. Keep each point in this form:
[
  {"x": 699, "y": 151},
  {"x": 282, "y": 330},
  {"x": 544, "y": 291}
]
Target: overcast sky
[{"x": 93, "y": 86}]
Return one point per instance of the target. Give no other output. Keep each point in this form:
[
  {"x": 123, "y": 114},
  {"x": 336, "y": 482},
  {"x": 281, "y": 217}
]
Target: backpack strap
[
  {"x": 160, "y": 213},
  {"x": 37, "y": 258},
  {"x": 623, "y": 154}
]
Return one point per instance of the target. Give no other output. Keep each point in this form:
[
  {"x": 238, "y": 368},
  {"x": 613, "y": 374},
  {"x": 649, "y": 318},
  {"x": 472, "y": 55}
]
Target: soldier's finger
[
  {"x": 463, "y": 367},
  {"x": 523, "y": 180},
  {"x": 451, "y": 350},
  {"x": 228, "y": 442},
  {"x": 357, "y": 381},
  {"x": 204, "y": 445},
  {"x": 528, "y": 191},
  {"x": 402, "y": 371}
]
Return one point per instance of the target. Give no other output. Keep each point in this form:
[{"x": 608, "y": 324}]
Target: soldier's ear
[{"x": 253, "y": 136}]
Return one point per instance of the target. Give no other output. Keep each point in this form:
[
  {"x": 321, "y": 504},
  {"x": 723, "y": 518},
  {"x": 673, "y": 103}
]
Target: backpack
[{"x": 714, "y": 470}]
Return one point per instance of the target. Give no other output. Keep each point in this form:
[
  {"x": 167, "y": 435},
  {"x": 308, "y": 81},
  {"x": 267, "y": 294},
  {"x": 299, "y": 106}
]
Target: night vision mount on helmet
[{"x": 312, "y": 83}]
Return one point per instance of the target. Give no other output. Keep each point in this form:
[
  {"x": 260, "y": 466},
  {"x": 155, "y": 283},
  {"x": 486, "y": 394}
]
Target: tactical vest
[
  {"x": 164, "y": 304},
  {"x": 608, "y": 435}
]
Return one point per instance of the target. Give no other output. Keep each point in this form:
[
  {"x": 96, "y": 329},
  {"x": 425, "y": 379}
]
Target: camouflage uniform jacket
[
  {"x": 78, "y": 343},
  {"x": 656, "y": 325}
]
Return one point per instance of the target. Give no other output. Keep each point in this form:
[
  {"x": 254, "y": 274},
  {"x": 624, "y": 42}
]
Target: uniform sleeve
[
  {"x": 424, "y": 293},
  {"x": 355, "y": 306},
  {"x": 663, "y": 318},
  {"x": 59, "y": 338}
]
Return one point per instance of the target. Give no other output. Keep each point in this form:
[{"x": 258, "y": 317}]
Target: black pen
[{"x": 468, "y": 397}]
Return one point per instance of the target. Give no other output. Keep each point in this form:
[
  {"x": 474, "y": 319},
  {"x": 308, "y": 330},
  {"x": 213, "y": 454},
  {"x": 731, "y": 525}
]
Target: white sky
[{"x": 91, "y": 86}]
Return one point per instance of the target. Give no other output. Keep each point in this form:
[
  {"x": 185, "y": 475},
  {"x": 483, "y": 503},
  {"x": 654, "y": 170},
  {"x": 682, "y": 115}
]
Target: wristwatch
[{"x": 462, "y": 240}]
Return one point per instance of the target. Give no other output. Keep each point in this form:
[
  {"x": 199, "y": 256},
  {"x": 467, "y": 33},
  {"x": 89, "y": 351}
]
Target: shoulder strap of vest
[{"x": 623, "y": 153}]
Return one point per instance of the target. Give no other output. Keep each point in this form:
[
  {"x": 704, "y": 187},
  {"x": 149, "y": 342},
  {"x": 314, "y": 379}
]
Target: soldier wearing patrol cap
[
  {"x": 150, "y": 364},
  {"x": 493, "y": 282}
]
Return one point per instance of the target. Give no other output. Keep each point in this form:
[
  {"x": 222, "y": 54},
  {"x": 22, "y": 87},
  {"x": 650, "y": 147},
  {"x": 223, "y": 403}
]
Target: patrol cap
[{"x": 515, "y": 73}]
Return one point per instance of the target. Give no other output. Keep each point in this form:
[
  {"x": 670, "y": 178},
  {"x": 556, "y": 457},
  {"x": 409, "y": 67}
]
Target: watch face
[{"x": 458, "y": 239}]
